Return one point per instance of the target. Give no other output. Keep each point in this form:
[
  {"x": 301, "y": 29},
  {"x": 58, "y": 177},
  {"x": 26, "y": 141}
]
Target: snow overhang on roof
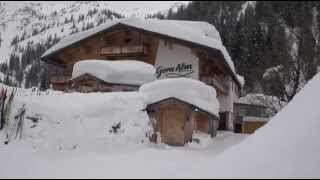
[
  {"x": 130, "y": 72},
  {"x": 194, "y": 32},
  {"x": 188, "y": 90},
  {"x": 255, "y": 119}
]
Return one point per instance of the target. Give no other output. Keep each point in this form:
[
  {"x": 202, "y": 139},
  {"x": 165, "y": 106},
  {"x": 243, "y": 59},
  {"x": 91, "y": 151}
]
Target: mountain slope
[{"x": 27, "y": 29}]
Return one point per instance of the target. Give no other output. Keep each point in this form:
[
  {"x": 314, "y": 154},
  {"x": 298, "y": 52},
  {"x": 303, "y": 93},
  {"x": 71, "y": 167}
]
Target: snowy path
[{"x": 143, "y": 161}]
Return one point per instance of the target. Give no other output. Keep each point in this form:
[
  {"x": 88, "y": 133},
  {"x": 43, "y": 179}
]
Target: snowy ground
[
  {"x": 141, "y": 161},
  {"x": 73, "y": 140}
]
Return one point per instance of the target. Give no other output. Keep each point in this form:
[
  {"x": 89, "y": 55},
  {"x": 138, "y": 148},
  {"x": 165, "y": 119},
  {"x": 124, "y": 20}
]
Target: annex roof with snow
[
  {"x": 255, "y": 100},
  {"x": 129, "y": 72},
  {"x": 187, "y": 90}
]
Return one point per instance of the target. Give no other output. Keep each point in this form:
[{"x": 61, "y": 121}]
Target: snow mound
[
  {"x": 191, "y": 91},
  {"x": 287, "y": 146},
  {"x": 83, "y": 122},
  {"x": 119, "y": 72}
]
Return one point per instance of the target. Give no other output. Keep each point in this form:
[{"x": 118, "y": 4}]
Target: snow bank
[
  {"x": 76, "y": 121},
  {"x": 120, "y": 72},
  {"x": 188, "y": 90},
  {"x": 286, "y": 147}
]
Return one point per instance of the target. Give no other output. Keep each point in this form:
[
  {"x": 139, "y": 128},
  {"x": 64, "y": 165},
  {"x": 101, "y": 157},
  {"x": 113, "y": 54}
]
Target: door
[
  {"x": 223, "y": 121},
  {"x": 173, "y": 125}
]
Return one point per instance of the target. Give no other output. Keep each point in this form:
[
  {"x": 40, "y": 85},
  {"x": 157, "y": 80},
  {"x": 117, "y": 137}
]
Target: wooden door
[
  {"x": 223, "y": 121},
  {"x": 173, "y": 125}
]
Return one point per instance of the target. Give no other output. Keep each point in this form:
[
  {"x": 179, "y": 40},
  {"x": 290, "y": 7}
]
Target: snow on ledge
[
  {"x": 130, "y": 72},
  {"x": 255, "y": 119},
  {"x": 191, "y": 91},
  {"x": 241, "y": 80}
]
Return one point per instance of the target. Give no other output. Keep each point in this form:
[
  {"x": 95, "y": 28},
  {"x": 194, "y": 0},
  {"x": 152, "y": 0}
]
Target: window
[{"x": 242, "y": 112}]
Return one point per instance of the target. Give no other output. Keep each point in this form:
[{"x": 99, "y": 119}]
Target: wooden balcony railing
[
  {"x": 60, "y": 79},
  {"x": 217, "y": 82},
  {"x": 122, "y": 50}
]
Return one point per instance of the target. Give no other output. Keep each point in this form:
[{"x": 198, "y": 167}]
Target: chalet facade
[{"x": 176, "y": 49}]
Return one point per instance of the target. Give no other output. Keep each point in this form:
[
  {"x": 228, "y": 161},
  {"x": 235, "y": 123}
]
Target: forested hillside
[
  {"x": 28, "y": 29},
  {"x": 275, "y": 45}
]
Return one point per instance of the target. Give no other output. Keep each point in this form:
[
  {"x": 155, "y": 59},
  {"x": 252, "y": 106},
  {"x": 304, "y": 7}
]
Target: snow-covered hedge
[
  {"x": 192, "y": 91},
  {"x": 121, "y": 72}
]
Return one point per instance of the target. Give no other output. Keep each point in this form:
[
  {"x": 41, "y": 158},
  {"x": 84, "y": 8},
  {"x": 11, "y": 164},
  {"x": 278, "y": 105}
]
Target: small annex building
[
  {"x": 250, "y": 114},
  {"x": 178, "y": 107}
]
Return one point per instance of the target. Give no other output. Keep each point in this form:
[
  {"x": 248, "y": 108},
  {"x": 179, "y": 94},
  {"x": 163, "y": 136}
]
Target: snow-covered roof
[
  {"x": 191, "y": 91},
  {"x": 197, "y": 32},
  {"x": 253, "y": 99},
  {"x": 121, "y": 72},
  {"x": 241, "y": 80},
  {"x": 255, "y": 119}
]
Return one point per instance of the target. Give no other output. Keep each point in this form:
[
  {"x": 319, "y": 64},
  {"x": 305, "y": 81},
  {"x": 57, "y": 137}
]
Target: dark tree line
[{"x": 27, "y": 68}]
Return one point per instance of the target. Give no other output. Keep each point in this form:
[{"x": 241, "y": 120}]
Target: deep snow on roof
[
  {"x": 255, "y": 119},
  {"x": 193, "y": 31},
  {"x": 191, "y": 91},
  {"x": 201, "y": 33},
  {"x": 129, "y": 72},
  {"x": 256, "y": 99}
]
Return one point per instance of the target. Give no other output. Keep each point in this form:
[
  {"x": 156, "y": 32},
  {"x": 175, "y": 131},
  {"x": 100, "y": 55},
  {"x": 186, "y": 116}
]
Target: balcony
[
  {"x": 124, "y": 50},
  {"x": 60, "y": 79},
  {"x": 219, "y": 83}
]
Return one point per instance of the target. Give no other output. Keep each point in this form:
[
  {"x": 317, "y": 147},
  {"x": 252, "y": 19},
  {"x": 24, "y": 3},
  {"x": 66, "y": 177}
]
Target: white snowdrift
[
  {"x": 192, "y": 91},
  {"x": 120, "y": 72},
  {"x": 82, "y": 121},
  {"x": 287, "y": 146}
]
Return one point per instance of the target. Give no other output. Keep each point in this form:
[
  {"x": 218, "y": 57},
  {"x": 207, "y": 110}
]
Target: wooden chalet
[{"x": 176, "y": 48}]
